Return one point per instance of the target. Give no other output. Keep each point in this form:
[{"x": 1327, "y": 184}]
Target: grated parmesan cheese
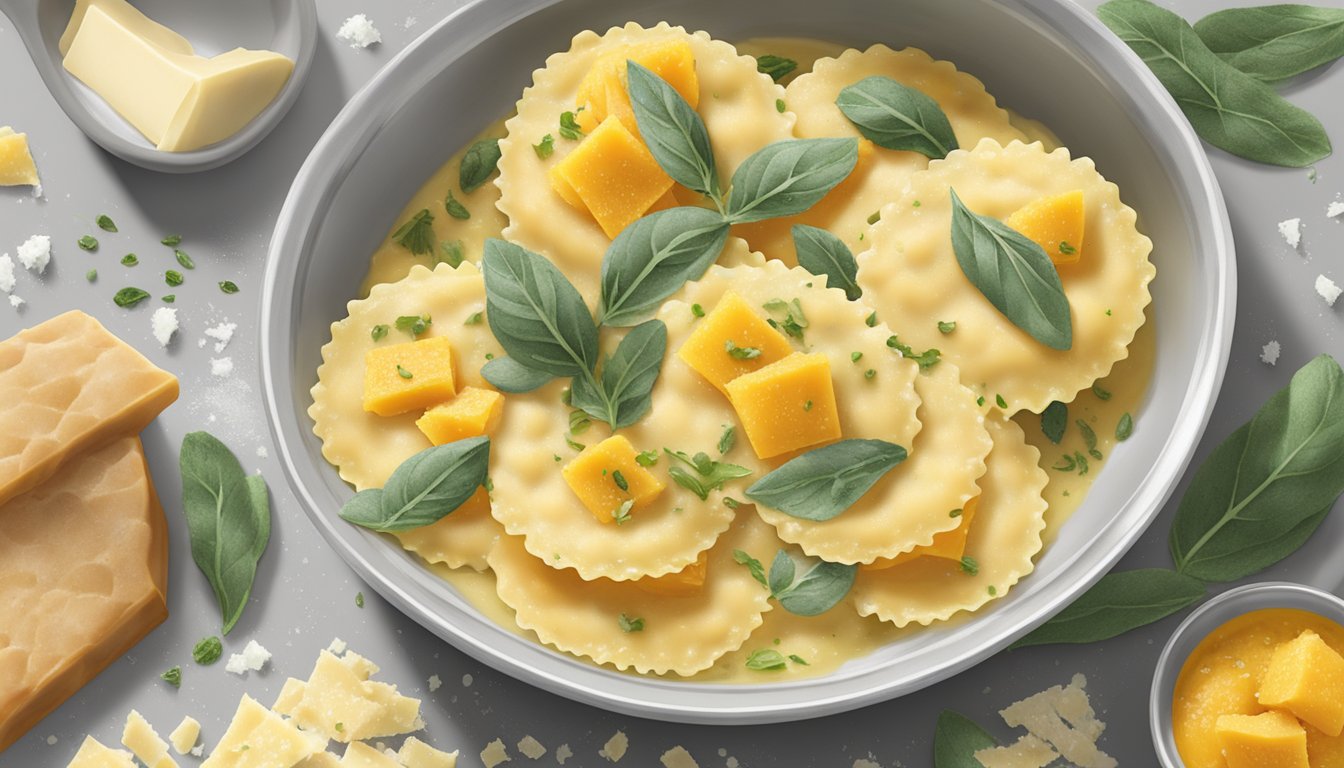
[
  {"x": 1327, "y": 289},
  {"x": 222, "y": 334},
  {"x": 678, "y": 757},
  {"x": 563, "y": 753},
  {"x": 1027, "y": 752},
  {"x": 16, "y": 301},
  {"x": 494, "y": 754},
  {"x": 359, "y": 32},
  {"x": 1269, "y": 354},
  {"x": 531, "y": 748},
  {"x": 221, "y": 367},
  {"x": 615, "y": 747},
  {"x": 6, "y": 273},
  {"x": 1335, "y": 209},
  {"x": 164, "y": 323},
  {"x": 253, "y": 658},
  {"x": 337, "y": 646},
  {"x": 1062, "y": 717},
  {"x": 435, "y": 683},
  {"x": 35, "y": 253},
  {"x": 1291, "y": 229}
]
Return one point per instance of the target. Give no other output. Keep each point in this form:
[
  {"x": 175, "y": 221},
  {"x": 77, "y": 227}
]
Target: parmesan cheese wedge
[
  {"x": 93, "y": 754},
  {"x": 68, "y": 386},
  {"x": 145, "y": 743},
  {"x": 84, "y": 561},
  {"x": 259, "y": 738},
  {"x": 340, "y": 702}
]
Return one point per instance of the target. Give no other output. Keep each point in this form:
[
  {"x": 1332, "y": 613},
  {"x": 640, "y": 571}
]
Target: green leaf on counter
[
  {"x": 653, "y": 258},
  {"x": 896, "y": 116},
  {"x": 129, "y": 297},
  {"x": 184, "y": 259},
  {"x": 425, "y": 489},
  {"x": 1274, "y": 42},
  {"x": 826, "y": 481},
  {"x": 88, "y": 243},
  {"x": 479, "y": 162},
  {"x": 788, "y": 177},
  {"x": 106, "y": 223},
  {"x": 956, "y": 740},
  {"x": 673, "y": 131},
  {"x": 1121, "y": 601},
  {"x": 824, "y": 254}
]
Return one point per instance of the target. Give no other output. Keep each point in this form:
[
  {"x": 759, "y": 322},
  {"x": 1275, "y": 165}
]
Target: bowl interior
[{"x": 1029, "y": 53}]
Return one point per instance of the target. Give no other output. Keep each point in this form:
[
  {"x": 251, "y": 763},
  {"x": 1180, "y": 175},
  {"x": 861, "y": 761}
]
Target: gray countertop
[{"x": 305, "y": 595}]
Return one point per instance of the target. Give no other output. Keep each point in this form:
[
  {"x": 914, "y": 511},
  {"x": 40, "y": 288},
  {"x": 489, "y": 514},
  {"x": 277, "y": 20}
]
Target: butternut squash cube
[
  {"x": 1306, "y": 677},
  {"x": 1055, "y": 223},
  {"x": 1271, "y": 739},
  {"x": 604, "y": 91},
  {"x": 708, "y": 350},
  {"x": 787, "y": 405},
  {"x": 606, "y": 476},
  {"x": 684, "y": 583},
  {"x": 472, "y": 413},
  {"x": 613, "y": 175},
  {"x": 948, "y": 545},
  {"x": 411, "y": 376}
]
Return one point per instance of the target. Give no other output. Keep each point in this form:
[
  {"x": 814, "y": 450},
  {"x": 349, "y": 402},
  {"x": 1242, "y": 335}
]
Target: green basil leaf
[
  {"x": 508, "y": 375},
  {"x": 478, "y": 163},
  {"x": 228, "y": 520},
  {"x": 1014, "y": 274},
  {"x": 207, "y": 651},
  {"x": 1228, "y": 108},
  {"x": 788, "y": 177},
  {"x": 819, "y": 590},
  {"x": 1054, "y": 421},
  {"x": 765, "y": 660},
  {"x": 129, "y": 297},
  {"x": 956, "y": 740},
  {"x": 425, "y": 489},
  {"x": 654, "y": 257},
  {"x": 826, "y": 481},
  {"x": 822, "y": 253},
  {"x": 535, "y": 313},
  {"x": 1274, "y": 42},
  {"x": 672, "y": 131},
  {"x": 782, "y": 571},
  {"x": 896, "y": 116},
  {"x": 1121, "y": 601},
  {"x": 1275, "y": 472},
  {"x": 777, "y": 67},
  {"x": 628, "y": 377},
  {"x": 416, "y": 235}
]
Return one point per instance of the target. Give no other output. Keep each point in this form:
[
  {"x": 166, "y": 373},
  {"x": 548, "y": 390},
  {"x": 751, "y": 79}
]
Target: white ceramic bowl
[
  {"x": 1208, "y": 617},
  {"x": 1049, "y": 59}
]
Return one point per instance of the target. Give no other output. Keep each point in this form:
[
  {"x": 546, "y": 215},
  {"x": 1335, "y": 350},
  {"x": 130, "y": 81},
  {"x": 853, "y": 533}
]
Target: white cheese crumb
[
  {"x": 1327, "y": 289},
  {"x": 466, "y": 681},
  {"x": 197, "y": 750},
  {"x": 253, "y": 658},
  {"x": 222, "y": 334},
  {"x": 359, "y": 32},
  {"x": 6, "y": 273},
  {"x": 262, "y": 453},
  {"x": 51, "y": 741},
  {"x": 1291, "y": 229},
  {"x": 16, "y": 301},
  {"x": 615, "y": 747},
  {"x": 494, "y": 754},
  {"x": 435, "y": 683},
  {"x": 164, "y": 323},
  {"x": 563, "y": 753},
  {"x": 531, "y": 748},
  {"x": 411, "y": 21},
  {"x": 1062, "y": 717},
  {"x": 1335, "y": 209},
  {"x": 221, "y": 366},
  {"x": 1269, "y": 354},
  {"x": 338, "y": 645},
  {"x": 861, "y": 763},
  {"x": 678, "y": 757},
  {"x": 35, "y": 253},
  {"x": 1026, "y": 752}
]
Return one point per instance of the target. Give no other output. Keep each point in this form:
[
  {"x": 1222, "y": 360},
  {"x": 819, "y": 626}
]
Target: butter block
[
  {"x": 613, "y": 174},
  {"x": 16, "y": 161},
  {"x": 733, "y": 324},
  {"x": 688, "y": 581},
  {"x": 68, "y": 386},
  {"x": 93, "y": 754},
  {"x": 84, "y": 561},
  {"x": 145, "y": 743},
  {"x": 1055, "y": 223},
  {"x": 787, "y": 405},
  {"x": 1270, "y": 739},
  {"x": 1306, "y": 677},
  {"x": 472, "y": 413},
  {"x": 339, "y": 691},
  {"x": 360, "y": 755},
  {"x": 185, "y": 735},
  {"x": 259, "y": 738},
  {"x": 410, "y": 376},
  {"x": 129, "y": 17},
  {"x": 415, "y": 753},
  {"x": 606, "y": 476},
  {"x": 229, "y": 91}
]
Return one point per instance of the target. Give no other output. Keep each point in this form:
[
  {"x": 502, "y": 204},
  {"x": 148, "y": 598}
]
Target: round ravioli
[
  {"x": 914, "y": 501},
  {"x": 881, "y": 173},
  {"x": 737, "y": 103},
  {"x": 1004, "y": 536},
  {"x": 912, "y": 276},
  {"x": 366, "y": 448},
  {"x": 628, "y": 624}
]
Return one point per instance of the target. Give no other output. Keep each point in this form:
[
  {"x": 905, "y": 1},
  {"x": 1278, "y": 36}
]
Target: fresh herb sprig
[{"x": 705, "y": 475}]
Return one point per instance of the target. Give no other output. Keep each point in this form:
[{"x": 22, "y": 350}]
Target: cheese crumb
[
  {"x": 1269, "y": 353},
  {"x": 1291, "y": 229},
  {"x": 185, "y": 735},
  {"x": 494, "y": 754},
  {"x": 1335, "y": 209},
  {"x": 221, "y": 366},
  {"x": 563, "y": 753},
  {"x": 1061, "y": 717},
  {"x": 466, "y": 681},
  {"x": 16, "y": 301},
  {"x": 35, "y": 253},
  {"x": 338, "y": 646},
  {"x": 253, "y": 658},
  {"x": 678, "y": 757},
  {"x": 615, "y": 747},
  {"x": 222, "y": 334},
  {"x": 1327, "y": 289},
  {"x": 197, "y": 750},
  {"x": 6, "y": 273},
  {"x": 262, "y": 453},
  {"x": 531, "y": 748},
  {"x": 359, "y": 32},
  {"x": 435, "y": 683},
  {"x": 1026, "y": 752},
  {"x": 165, "y": 325},
  {"x": 51, "y": 741}
]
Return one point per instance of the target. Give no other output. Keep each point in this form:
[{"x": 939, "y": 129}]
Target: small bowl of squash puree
[{"x": 1254, "y": 679}]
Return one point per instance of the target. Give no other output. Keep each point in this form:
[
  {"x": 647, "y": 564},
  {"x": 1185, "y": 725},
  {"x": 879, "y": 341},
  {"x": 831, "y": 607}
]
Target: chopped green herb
[
  {"x": 1072, "y": 463},
  {"x": 579, "y": 422},
  {"x": 572, "y": 443},
  {"x": 915, "y": 204},
  {"x": 379, "y": 332},
  {"x": 946, "y": 328},
  {"x": 130, "y": 260},
  {"x": 780, "y": 106},
  {"x": 645, "y": 458},
  {"x": 796, "y": 659},
  {"x": 91, "y": 275},
  {"x": 622, "y": 513},
  {"x": 489, "y": 355},
  {"x": 807, "y": 406},
  {"x": 403, "y": 373},
  {"x": 787, "y": 317},
  {"x": 546, "y": 148},
  {"x": 775, "y": 66},
  {"x": 415, "y": 325},
  {"x": 340, "y": 727},
  {"x": 992, "y": 591},
  {"x": 629, "y": 624},
  {"x": 970, "y": 566},
  {"x": 855, "y": 357},
  {"x": 1054, "y": 421},
  {"x": 741, "y": 353},
  {"x": 169, "y": 299},
  {"x": 172, "y": 240},
  {"x": 926, "y": 359},
  {"x": 173, "y": 677},
  {"x": 1089, "y": 439},
  {"x": 478, "y": 163},
  {"x": 207, "y": 651},
  {"x": 753, "y": 565},
  {"x": 455, "y": 209},
  {"x": 1066, "y": 249},
  {"x": 129, "y": 297},
  {"x": 1125, "y": 428},
  {"x": 980, "y": 401},
  {"x": 731, "y": 503},
  {"x": 871, "y": 320},
  {"x": 1108, "y": 313},
  {"x": 184, "y": 259},
  {"x": 473, "y": 319},
  {"x": 417, "y": 234},
  {"x": 569, "y": 127},
  {"x": 88, "y": 243},
  {"x": 1101, "y": 394},
  {"x": 999, "y": 401},
  {"x": 709, "y": 475},
  {"x": 228, "y": 286},
  {"x": 359, "y": 599},
  {"x": 727, "y": 439},
  {"x": 697, "y": 310},
  {"x": 766, "y": 660},
  {"x": 620, "y": 481},
  {"x": 106, "y": 224},
  {"x": 874, "y": 217},
  {"x": 870, "y": 373},
  {"x": 451, "y": 252},
  {"x": 173, "y": 278},
  {"x": 954, "y": 513}
]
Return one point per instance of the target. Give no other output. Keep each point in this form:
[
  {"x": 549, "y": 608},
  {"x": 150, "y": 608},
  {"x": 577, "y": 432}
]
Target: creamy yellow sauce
[{"x": 828, "y": 641}]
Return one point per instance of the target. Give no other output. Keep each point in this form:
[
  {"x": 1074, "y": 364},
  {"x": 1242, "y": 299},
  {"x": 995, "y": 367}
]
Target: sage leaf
[
  {"x": 1014, "y": 273},
  {"x": 425, "y": 489},
  {"x": 788, "y": 177},
  {"x": 1121, "y": 601},
  {"x": 672, "y": 131},
  {"x": 1054, "y": 421},
  {"x": 625, "y": 384},
  {"x": 818, "y": 591},
  {"x": 822, "y": 253},
  {"x": 478, "y": 163},
  {"x": 228, "y": 520},
  {"x": 777, "y": 67},
  {"x": 1274, "y": 42},
  {"x": 782, "y": 571},
  {"x": 766, "y": 660},
  {"x": 535, "y": 313},
  {"x": 508, "y": 375},
  {"x": 956, "y": 739},
  {"x": 653, "y": 258},
  {"x": 896, "y": 116},
  {"x": 824, "y": 482},
  {"x": 1265, "y": 480},
  {"x": 1228, "y": 108}
]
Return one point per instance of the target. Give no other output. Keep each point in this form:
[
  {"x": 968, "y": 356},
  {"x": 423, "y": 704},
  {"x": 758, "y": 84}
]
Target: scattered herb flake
[
  {"x": 207, "y": 651},
  {"x": 172, "y": 240},
  {"x": 1054, "y": 421},
  {"x": 451, "y": 252},
  {"x": 796, "y": 659},
  {"x": 455, "y": 208},
  {"x": 417, "y": 234},
  {"x": 106, "y": 224},
  {"x": 780, "y": 106},
  {"x": 766, "y": 660},
  {"x": 697, "y": 310},
  {"x": 926, "y": 359},
  {"x": 173, "y": 278},
  {"x": 999, "y": 401},
  {"x": 741, "y": 353},
  {"x": 946, "y": 328},
  {"x": 787, "y": 316},
  {"x": 1101, "y": 394},
  {"x": 129, "y": 297},
  {"x": 91, "y": 275},
  {"x": 1089, "y": 439},
  {"x": 970, "y": 566},
  {"x": 643, "y": 458},
  {"x": 629, "y": 624},
  {"x": 473, "y": 319},
  {"x": 403, "y": 373},
  {"x": 170, "y": 298},
  {"x": 572, "y": 443},
  {"x": 416, "y": 325},
  {"x": 1125, "y": 428},
  {"x": 546, "y": 147},
  {"x": 622, "y": 513},
  {"x": 569, "y": 127},
  {"x": 184, "y": 259},
  {"x": 1066, "y": 249},
  {"x": 228, "y": 286},
  {"x": 359, "y": 599},
  {"x": 379, "y": 332},
  {"x": 727, "y": 439},
  {"x": 870, "y": 373},
  {"x": 874, "y": 217},
  {"x": 753, "y": 565},
  {"x": 620, "y": 481},
  {"x": 579, "y": 422},
  {"x": 775, "y": 66},
  {"x": 88, "y": 243},
  {"x": 172, "y": 676},
  {"x": 871, "y": 320},
  {"x": 130, "y": 260}
]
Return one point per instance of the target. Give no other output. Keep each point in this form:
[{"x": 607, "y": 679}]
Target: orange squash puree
[{"x": 1223, "y": 673}]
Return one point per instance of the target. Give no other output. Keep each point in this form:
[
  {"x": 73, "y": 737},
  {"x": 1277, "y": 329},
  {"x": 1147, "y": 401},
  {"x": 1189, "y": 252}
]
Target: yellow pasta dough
[
  {"x": 912, "y": 276},
  {"x": 1005, "y": 536},
  {"x": 661, "y": 633},
  {"x": 881, "y": 173},
  {"x": 737, "y": 105},
  {"x": 913, "y": 502}
]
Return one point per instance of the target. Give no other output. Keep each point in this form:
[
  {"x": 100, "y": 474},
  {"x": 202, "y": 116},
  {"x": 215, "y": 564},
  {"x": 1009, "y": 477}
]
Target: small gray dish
[
  {"x": 1207, "y": 618},
  {"x": 288, "y": 27}
]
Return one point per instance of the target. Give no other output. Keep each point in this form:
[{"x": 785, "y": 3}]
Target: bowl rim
[
  {"x": 361, "y": 120},
  {"x": 1206, "y": 619}
]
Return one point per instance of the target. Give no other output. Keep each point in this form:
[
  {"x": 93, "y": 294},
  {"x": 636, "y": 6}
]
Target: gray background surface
[{"x": 305, "y": 595}]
